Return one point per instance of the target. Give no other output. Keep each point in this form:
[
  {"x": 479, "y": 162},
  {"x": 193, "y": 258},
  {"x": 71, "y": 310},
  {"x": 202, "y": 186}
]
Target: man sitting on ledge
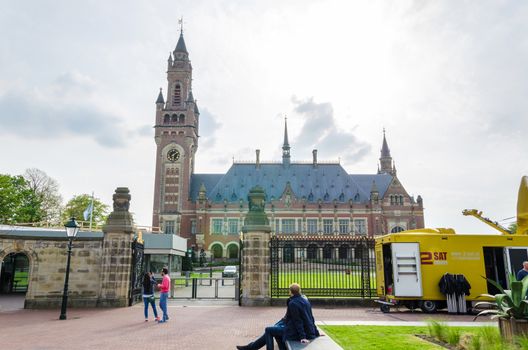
[{"x": 298, "y": 324}]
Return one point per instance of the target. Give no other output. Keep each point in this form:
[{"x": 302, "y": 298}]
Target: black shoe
[{"x": 243, "y": 347}]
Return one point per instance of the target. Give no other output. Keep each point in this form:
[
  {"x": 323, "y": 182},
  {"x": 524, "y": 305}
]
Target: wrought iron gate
[
  {"x": 136, "y": 275},
  {"x": 326, "y": 267}
]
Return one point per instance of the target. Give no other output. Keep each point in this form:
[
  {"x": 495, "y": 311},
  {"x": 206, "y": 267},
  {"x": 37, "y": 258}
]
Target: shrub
[
  {"x": 438, "y": 330},
  {"x": 453, "y": 335}
]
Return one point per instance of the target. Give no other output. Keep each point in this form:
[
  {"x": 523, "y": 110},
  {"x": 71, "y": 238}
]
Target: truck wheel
[
  {"x": 385, "y": 308},
  {"x": 411, "y": 305},
  {"x": 428, "y": 306}
]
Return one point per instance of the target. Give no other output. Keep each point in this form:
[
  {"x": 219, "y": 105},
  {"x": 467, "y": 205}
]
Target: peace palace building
[{"x": 302, "y": 198}]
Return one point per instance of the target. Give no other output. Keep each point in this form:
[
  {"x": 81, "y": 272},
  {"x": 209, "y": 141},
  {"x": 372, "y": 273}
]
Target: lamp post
[{"x": 71, "y": 231}]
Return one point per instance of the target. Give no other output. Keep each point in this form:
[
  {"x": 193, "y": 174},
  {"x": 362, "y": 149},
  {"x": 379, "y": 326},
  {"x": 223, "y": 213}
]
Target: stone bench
[{"x": 323, "y": 342}]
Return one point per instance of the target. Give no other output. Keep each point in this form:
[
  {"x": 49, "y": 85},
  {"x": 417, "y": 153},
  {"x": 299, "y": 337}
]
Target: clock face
[{"x": 173, "y": 155}]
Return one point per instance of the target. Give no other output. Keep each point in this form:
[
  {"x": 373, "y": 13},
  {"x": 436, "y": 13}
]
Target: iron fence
[{"x": 324, "y": 266}]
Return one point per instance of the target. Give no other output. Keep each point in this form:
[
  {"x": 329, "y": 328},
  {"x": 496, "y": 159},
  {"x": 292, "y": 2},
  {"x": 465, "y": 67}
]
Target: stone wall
[
  {"x": 100, "y": 267},
  {"x": 47, "y": 268}
]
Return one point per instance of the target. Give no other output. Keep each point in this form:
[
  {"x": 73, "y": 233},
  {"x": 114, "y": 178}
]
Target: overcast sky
[{"x": 447, "y": 79}]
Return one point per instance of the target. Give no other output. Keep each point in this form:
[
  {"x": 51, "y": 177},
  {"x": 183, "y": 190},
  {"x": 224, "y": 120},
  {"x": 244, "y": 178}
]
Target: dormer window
[{"x": 176, "y": 99}]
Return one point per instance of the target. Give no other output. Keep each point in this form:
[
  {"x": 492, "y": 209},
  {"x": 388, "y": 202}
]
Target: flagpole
[{"x": 91, "y": 211}]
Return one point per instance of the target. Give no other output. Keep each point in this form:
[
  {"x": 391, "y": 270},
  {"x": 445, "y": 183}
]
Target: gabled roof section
[{"x": 325, "y": 182}]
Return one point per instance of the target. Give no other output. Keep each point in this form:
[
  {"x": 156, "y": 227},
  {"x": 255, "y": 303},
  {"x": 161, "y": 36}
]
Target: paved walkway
[{"x": 198, "y": 325}]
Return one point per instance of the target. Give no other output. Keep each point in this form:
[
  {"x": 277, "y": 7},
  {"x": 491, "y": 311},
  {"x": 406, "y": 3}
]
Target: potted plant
[{"x": 510, "y": 307}]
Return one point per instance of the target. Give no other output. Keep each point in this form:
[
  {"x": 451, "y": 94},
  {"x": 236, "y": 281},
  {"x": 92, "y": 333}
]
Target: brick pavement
[{"x": 193, "y": 325}]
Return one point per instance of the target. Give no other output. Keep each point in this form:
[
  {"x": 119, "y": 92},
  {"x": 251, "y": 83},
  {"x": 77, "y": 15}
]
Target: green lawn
[
  {"x": 383, "y": 337},
  {"x": 22, "y": 278},
  {"x": 331, "y": 279}
]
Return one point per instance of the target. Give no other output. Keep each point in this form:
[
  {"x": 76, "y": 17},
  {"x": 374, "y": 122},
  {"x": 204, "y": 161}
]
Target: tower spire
[
  {"x": 385, "y": 158},
  {"x": 385, "y": 151},
  {"x": 286, "y": 145},
  {"x": 180, "y": 46}
]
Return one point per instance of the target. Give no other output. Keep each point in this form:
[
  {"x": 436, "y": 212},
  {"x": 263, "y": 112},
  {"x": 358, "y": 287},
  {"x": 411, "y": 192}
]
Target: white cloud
[{"x": 447, "y": 80}]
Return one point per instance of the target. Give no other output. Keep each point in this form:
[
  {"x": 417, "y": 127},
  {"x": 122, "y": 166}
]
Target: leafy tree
[
  {"x": 78, "y": 204},
  {"x": 18, "y": 203},
  {"x": 47, "y": 190}
]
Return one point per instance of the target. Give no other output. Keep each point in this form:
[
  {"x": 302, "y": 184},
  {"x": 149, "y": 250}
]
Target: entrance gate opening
[{"x": 14, "y": 274}]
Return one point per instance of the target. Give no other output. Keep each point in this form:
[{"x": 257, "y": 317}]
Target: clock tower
[{"x": 176, "y": 136}]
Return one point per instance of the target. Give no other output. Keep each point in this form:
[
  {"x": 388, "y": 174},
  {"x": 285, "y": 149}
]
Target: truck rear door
[
  {"x": 514, "y": 257},
  {"x": 406, "y": 270}
]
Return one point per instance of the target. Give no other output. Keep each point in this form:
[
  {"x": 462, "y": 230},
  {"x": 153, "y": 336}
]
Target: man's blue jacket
[{"x": 300, "y": 323}]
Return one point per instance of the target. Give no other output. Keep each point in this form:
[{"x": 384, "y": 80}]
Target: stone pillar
[
  {"x": 117, "y": 252},
  {"x": 255, "y": 258}
]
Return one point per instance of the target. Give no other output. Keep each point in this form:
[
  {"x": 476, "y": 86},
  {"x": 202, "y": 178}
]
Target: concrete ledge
[{"x": 323, "y": 342}]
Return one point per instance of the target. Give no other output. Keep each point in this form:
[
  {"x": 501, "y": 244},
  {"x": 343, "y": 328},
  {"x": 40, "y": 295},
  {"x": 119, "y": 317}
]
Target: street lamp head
[{"x": 72, "y": 228}]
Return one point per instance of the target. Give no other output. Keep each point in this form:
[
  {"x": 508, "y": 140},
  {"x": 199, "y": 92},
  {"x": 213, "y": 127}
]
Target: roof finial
[{"x": 180, "y": 22}]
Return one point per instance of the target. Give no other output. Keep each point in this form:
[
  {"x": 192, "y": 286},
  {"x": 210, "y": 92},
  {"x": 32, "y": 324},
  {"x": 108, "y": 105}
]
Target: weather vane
[{"x": 180, "y": 22}]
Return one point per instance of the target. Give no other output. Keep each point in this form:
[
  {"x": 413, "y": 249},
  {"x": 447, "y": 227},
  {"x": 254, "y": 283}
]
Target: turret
[
  {"x": 160, "y": 101},
  {"x": 374, "y": 192},
  {"x": 169, "y": 61}
]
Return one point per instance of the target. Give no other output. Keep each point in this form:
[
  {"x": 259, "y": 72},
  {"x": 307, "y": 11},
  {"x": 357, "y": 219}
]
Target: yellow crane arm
[{"x": 494, "y": 224}]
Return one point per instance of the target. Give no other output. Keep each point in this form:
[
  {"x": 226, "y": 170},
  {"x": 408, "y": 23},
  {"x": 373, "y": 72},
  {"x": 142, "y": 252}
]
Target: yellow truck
[{"x": 410, "y": 264}]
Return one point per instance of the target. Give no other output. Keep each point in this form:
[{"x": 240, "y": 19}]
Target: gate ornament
[{"x": 256, "y": 218}]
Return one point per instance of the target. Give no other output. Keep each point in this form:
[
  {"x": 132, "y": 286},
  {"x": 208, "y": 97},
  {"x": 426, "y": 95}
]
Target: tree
[
  {"x": 18, "y": 203},
  {"x": 78, "y": 204},
  {"x": 47, "y": 190}
]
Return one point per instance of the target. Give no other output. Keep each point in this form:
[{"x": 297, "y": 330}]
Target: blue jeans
[
  {"x": 163, "y": 305},
  {"x": 150, "y": 301},
  {"x": 266, "y": 339},
  {"x": 274, "y": 332}
]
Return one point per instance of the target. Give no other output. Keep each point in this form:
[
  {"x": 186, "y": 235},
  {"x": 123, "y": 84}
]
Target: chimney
[
  {"x": 257, "y": 164},
  {"x": 314, "y": 153}
]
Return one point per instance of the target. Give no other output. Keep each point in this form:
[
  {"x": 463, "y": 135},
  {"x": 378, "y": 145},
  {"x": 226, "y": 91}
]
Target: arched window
[
  {"x": 401, "y": 200},
  {"x": 326, "y": 197},
  {"x": 342, "y": 197},
  {"x": 176, "y": 100},
  {"x": 328, "y": 251},
  {"x": 287, "y": 252},
  {"x": 343, "y": 251},
  {"x": 174, "y": 118},
  {"x": 217, "y": 251},
  {"x": 397, "y": 229},
  {"x": 311, "y": 252},
  {"x": 166, "y": 119},
  {"x": 232, "y": 251},
  {"x": 181, "y": 119}
]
